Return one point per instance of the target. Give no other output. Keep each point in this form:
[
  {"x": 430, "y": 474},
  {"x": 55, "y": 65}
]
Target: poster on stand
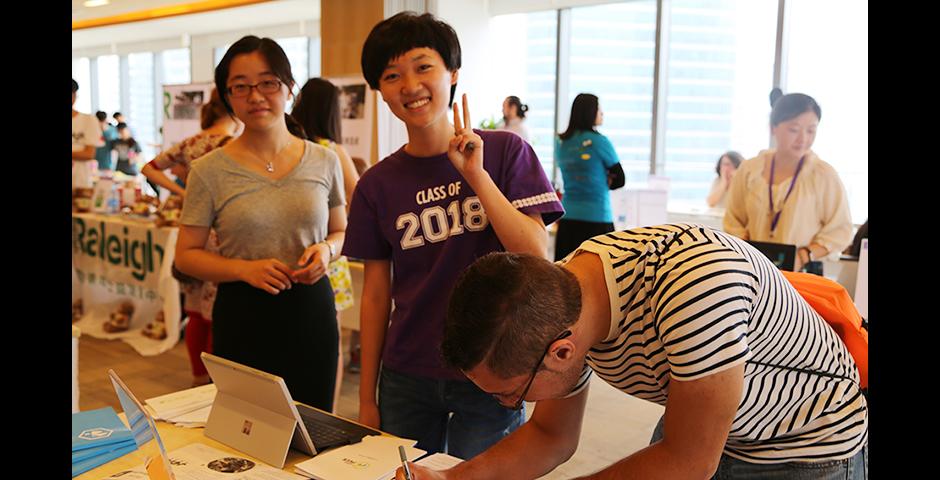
[
  {"x": 356, "y": 107},
  {"x": 122, "y": 283},
  {"x": 182, "y": 106}
]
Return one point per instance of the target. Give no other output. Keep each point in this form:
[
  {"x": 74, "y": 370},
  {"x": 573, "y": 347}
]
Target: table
[
  {"x": 118, "y": 259},
  {"x": 173, "y": 438}
]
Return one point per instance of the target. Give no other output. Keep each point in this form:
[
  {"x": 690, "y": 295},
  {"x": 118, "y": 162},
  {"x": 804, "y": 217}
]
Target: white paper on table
[
  {"x": 439, "y": 461},
  {"x": 166, "y": 407},
  {"x": 374, "y": 458},
  {"x": 200, "y": 416},
  {"x": 198, "y": 461}
]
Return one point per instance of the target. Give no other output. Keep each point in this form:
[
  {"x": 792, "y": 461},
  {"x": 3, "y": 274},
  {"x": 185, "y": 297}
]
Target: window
[
  {"x": 141, "y": 113},
  {"x": 176, "y": 67},
  {"x": 612, "y": 53},
  {"x": 840, "y": 87},
  {"x": 314, "y": 57},
  {"x": 526, "y": 64},
  {"x": 81, "y": 72},
  {"x": 218, "y": 53},
  {"x": 109, "y": 84},
  {"x": 720, "y": 73}
]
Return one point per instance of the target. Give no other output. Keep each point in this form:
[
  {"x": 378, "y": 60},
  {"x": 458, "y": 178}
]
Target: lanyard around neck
[{"x": 770, "y": 190}]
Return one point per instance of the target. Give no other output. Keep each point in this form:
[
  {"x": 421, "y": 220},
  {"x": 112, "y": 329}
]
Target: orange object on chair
[{"x": 833, "y": 303}]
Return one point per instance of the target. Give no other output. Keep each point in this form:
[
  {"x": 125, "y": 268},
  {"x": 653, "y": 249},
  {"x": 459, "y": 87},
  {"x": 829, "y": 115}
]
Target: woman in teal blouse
[{"x": 584, "y": 157}]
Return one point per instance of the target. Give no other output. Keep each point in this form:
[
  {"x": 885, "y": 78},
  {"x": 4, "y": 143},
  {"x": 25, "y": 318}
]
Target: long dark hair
[
  {"x": 583, "y": 115},
  {"x": 792, "y": 105},
  {"x": 277, "y": 60},
  {"x": 317, "y": 110},
  {"x": 212, "y": 110},
  {"x": 735, "y": 157},
  {"x": 521, "y": 108}
]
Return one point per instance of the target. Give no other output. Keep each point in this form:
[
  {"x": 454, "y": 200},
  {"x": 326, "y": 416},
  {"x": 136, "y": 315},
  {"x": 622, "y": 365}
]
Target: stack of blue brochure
[{"x": 98, "y": 436}]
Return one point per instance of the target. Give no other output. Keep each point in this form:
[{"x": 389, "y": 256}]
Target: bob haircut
[
  {"x": 793, "y": 105},
  {"x": 394, "y": 36}
]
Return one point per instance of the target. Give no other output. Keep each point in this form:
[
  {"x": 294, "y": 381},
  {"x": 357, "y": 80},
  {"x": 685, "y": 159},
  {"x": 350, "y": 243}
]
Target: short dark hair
[
  {"x": 277, "y": 60},
  {"x": 394, "y": 36},
  {"x": 101, "y": 116},
  {"x": 735, "y": 157},
  {"x": 521, "y": 108},
  {"x": 504, "y": 310},
  {"x": 791, "y": 106},
  {"x": 583, "y": 115},
  {"x": 74, "y": 86},
  {"x": 121, "y": 126},
  {"x": 117, "y": 114},
  {"x": 317, "y": 110}
]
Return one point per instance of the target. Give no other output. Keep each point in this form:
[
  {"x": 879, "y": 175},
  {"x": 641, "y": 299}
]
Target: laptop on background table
[
  {"x": 253, "y": 412},
  {"x": 780, "y": 254}
]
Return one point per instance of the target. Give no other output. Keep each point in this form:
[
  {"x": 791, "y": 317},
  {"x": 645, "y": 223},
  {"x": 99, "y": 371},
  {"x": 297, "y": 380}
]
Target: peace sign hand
[{"x": 466, "y": 148}]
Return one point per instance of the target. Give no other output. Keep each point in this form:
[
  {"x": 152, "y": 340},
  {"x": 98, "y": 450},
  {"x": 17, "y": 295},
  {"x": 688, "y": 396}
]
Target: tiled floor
[{"x": 615, "y": 424}]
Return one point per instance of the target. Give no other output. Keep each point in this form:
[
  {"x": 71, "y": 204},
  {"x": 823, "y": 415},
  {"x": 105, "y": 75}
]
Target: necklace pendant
[{"x": 270, "y": 167}]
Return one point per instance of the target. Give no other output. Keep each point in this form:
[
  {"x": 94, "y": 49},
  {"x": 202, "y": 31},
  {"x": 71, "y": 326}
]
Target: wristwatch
[
  {"x": 332, "y": 249},
  {"x": 809, "y": 254}
]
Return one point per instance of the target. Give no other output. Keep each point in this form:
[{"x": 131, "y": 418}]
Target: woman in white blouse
[
  {"x": 789, "y": 195},
  {"x": 514, "y": 117}
]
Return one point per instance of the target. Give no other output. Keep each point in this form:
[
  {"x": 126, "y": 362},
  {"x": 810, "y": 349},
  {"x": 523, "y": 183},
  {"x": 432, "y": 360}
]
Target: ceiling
[{"x": 237, "y": 18}]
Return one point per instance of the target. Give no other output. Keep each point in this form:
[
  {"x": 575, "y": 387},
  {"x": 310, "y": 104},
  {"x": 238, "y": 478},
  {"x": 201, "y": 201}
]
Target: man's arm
[
  {"x": 699, "y": 414},
  {"x": 82, "y": 155},
  {"x": 553, "y": 432}
]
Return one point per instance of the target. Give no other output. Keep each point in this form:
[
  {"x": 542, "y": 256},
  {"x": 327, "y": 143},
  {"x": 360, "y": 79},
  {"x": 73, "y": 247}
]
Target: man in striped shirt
[{"x": 755, "y": 383}]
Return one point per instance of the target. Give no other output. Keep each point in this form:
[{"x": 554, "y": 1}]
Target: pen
[{"x": 404, "y": 462}]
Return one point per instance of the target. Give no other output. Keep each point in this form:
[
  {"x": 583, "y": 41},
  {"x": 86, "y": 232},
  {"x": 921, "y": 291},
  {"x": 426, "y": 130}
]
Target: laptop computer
[
  {"x": 253, "y": 412},
  {"x": 780, "y": 254},
  {"x": 141, "y": 423}
]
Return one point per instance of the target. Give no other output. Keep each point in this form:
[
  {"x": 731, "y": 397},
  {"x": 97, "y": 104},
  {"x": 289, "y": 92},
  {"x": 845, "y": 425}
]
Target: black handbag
[{"x": 615, "y": 177}]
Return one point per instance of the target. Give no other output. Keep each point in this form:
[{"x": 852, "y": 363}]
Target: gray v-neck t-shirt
[{"x": 258, "y": 217}]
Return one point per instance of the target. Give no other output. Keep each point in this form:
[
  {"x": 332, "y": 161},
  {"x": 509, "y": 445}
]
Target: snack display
[
  {"x": 169, "y": 213},
  {"x": 156, "y": 329},
  {"x": 121, "y": 319},
  {"x": 77, "y": 310},
  {"x": 81, "y": 199},
  {"x": 145, "y": 206}
]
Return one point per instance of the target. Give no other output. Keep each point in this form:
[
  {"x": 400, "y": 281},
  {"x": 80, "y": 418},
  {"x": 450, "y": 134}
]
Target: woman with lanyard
[{"x": 789, "y": 195}]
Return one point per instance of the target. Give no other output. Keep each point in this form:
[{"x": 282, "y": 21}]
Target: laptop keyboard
[{"x": 325, "y": 436}]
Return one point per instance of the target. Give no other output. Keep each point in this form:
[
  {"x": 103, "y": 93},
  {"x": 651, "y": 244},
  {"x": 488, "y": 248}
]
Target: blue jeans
[
  {"x": 730, "y": 468},
  {"x": 449, "y": 416}
]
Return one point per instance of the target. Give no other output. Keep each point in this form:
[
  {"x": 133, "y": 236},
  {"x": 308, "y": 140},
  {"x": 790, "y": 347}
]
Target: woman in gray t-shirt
[{"x": 278, "y": 206}]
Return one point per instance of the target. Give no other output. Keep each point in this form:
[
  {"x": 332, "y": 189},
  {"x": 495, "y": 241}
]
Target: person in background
[
  {"x": 585, "y": 158},
  {"x": 127, "y": 150},
  {"x": 727, "y": 165},
  {"x": 277, "y": 202},
  {"x": 317, "y": 110},
  {"x": 86, "y": 137},
  {"x": 448, "y": 196},
  {"x": 108, "y": 134},
  {"x": 218, "y": 128},
  {"x": 788, "y": 194},
  {"x": 754, "y": 382},
  {"x": 514, "y": 117}
]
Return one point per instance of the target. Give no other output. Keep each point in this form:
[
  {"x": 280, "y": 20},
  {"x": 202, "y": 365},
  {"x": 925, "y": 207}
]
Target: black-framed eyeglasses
[
  {"x": 265, "y": 86},
  {"x": 528, "y": 385}
]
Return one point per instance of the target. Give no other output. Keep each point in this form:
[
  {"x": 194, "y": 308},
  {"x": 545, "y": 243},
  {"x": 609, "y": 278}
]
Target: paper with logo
[
  {"x": 198, "y": 461},
  {"x": 374, "y": 458},
  {"x": 122, "y": 273},
  {"x": 95, "y": 428}
]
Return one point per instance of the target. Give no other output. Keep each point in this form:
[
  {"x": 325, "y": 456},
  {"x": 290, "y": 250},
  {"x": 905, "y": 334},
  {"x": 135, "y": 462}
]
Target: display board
[
  {"x": 182, "y": 107},
  {"x": 356, "y": 105}
]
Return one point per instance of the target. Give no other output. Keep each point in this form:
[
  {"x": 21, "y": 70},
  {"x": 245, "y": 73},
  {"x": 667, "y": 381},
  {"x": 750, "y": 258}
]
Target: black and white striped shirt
[{"x": 688, "y": 301}]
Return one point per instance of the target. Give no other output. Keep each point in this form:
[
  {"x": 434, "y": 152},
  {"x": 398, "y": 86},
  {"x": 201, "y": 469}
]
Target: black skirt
[
  {"x": 293, "y": 334},
  {"x": 571, "y": 233}
]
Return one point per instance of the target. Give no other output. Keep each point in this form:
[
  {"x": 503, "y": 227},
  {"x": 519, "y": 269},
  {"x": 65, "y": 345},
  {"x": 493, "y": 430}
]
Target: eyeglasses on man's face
[
  {"x": 240, "y": 90},
  {"x": 528, "y": 385}
]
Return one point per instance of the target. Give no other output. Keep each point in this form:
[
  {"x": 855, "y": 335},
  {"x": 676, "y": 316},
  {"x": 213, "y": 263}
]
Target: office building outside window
[
  {"x": 81, "y": 72},
  {"x": 141, "y": 112},
  {"x": 109, "y": 84}
]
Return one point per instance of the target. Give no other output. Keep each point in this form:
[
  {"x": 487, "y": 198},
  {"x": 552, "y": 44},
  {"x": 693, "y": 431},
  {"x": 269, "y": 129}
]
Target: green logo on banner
[{"x": 116, "y": 248}]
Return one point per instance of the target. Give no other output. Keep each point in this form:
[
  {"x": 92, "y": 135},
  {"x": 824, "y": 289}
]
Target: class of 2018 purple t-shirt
[{"x": 422, "y": 215}]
